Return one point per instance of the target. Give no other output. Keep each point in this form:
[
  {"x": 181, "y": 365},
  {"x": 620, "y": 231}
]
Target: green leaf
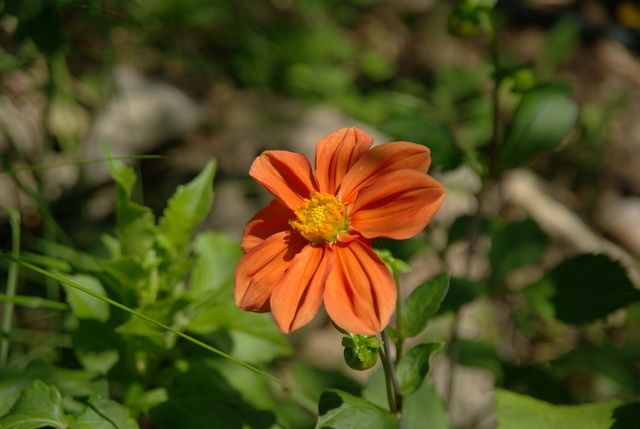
[
  {"x": 254, "y": 337},
  {"x": 104, "y": 414},
  {"x": 39, "y": 406},
  {"x": 94, "y": 344},
  {"x": 415, "y": 365},
  {"x": 217, "y": 260},
  {"x": 341, "y": 410},
  {"x": 188, "y": 206},
  {"x": 135, "y": 223},
  {"x": 583, "y": 289},
  {"x": 524, "y": 412},
  {"x": 544, "y": 116},
  {"x": 514, "y": 246},
  {"x": 86, "y": 306},
  {"x": 422, "y": 304},
  {"x": 444, "y": 150}
]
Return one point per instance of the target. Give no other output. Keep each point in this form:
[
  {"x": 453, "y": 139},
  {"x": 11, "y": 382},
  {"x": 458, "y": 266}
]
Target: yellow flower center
[{"x": 320, "y": 218}]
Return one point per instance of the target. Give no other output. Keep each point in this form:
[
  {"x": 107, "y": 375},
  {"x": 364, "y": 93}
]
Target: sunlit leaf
[
  {"x": 217, "y": 259},
  {"x": 188, "y": 206},
  {"x": 38, "y": 406},
  {"x": 341, "y": 410},
  {"x": 524, "y": 412},
  {"x": 422, "y": 304},
  {"x": 103, "y": 414},
  {"x": 86, "y": 306}
]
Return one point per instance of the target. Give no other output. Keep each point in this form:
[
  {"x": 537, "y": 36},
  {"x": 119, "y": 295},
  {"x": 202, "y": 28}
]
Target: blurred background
[{"x": 189, "y": 80}]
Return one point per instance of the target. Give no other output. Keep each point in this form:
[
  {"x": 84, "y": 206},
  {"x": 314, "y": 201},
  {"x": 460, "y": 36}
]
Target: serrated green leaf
[
  {"x": 583, "y": 289},
  {"x": 217, "y": 260},
  {"x": 515, "y": 245},
  {"x": 103, "y": 414},
  {"x": 544, "y": 116},
  {"x": 124, "y": 176},
  {"x": 341, "y": 410},
  {"x": 524, "y": 412},
  {"x": 38, "y": 406},
  {"x": 188, "y": 206},
  {"x": 422, "y": 304},
  {"x": 415, "y": 365}
]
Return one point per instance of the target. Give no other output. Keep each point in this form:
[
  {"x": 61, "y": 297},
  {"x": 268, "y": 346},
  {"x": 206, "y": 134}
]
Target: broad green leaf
[
  {"x": 583, "y": 289},
  {"x": 422, "y": 304},
  {"x": 86, "y": 306},
  {"x": 217, "y": 260},
  {"x": 341, "y": 410},
  {"x": 543, "y": 118},
  {"x": 514, "y": 246},
  {"x": 415, "y": 365},
  {"x": 39, "y": 406},
  {"x": 524, "y": 412},
  {"x": 103, "y": 414},
  {"x": 188, "y": 206}
]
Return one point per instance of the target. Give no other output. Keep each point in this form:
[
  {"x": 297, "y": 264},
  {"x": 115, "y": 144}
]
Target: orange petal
[
  {"x": 360, "y": 294},
  {"x": 336, "y": 154},
  {"x": 268, "y": 221},
  {"x": 286, "y": 175},
  {"x": 298, "y": 295},
  {"x": 382, "y": 160},
  {"x": 397, "y": 206},
  {"x": 259, "y": 270}
]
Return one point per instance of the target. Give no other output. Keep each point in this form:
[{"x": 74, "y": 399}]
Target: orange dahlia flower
[{"x": 311, "y": 243}]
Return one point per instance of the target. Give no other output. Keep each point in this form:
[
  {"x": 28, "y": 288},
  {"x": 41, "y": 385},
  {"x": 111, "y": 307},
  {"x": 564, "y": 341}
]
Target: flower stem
[{"x": 391, "y": 376}]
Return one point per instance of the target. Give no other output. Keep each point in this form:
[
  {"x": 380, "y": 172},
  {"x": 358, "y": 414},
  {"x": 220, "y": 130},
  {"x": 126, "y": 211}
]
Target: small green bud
[{"x": 361, "y": 351}]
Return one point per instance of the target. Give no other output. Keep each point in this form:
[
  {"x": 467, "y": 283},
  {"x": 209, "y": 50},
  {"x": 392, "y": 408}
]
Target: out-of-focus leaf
[
  {"x": 583, "y": 289},
  {"x": 422, "y": 304},
  {"x": 415, "y": 365},
  {"x": 217, "y": 260},
  {"x": 461, "y": 291},
  {"x": 189, "y": 206},
  {"x": 462, "y": 228},
  {"x": 103, "y": 414},
  {"x": 524, "y": 412},
  {"x": 444, "y": 150},
  {"x": 479, "y": 354},
  {"x": 544, "y": 116},
  {"x": 38, "y": 406},
  {"x": 86, "y": 306},
  {"x": 341, "y": 410},
  {"x": 514, "y": 246},
  {"x": 254, "y": 336},
  {"x": 135, "y": 223},
  {"x": 94, "y": 344}
]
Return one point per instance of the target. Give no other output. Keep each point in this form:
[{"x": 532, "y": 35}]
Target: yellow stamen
[{"x": 320, "y": 218}]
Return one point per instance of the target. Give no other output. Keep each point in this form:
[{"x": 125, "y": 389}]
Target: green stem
[
  {"x": 140, "y": 315},
  {"x": 386, "y": 365},
  {"x": 391, "y": 375},
  {"x": 12, "y": 281},
  {"x": 399, "y": 332}
]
